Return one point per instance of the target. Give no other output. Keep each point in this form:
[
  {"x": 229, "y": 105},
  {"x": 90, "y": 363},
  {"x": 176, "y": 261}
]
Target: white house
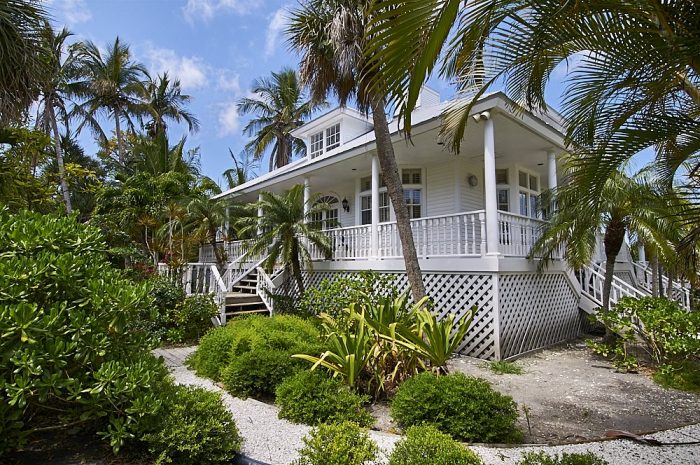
[{"x": 474, "y": 219}]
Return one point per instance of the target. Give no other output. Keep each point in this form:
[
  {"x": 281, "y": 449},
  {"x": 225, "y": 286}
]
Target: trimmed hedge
[
  {"x": 466, "y": 408},
  {"x": 313, "y": 397},
  {"x": 426, "y": 445},
  {"x": 338, "y": 444}
]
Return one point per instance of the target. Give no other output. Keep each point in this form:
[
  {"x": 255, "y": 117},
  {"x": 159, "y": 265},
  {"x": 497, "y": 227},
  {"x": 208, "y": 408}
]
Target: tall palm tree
[
  {"x": 206, "y": 217},
  {"x": 110, "y": 84},
  {"x": 286, "y": 231},
  {"x": 331, "y": 37},
  {"x": 279, "y": 107},
  {"x": 637, "y": 83},
  {"x": 54, "y": 93},
  {"x": 156, "y": 156},
  {"x": 243, "y": 170},
  {"x": 163, "y": 99},
  {"x": 22, "y": 64},
  {"x": 629, "y": 205}
]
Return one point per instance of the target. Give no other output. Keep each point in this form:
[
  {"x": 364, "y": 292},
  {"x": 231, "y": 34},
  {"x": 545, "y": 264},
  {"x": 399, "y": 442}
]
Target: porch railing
[
  {"x": 517, "y": 234},
  {"x": 644, "y": 275}
]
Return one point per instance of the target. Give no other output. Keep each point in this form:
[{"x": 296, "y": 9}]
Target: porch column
[
  {"x": 260, "y": 215},
  {"x": 227, "y": 224},
  {"x": 307, "y": 199},
  {"x": 642, "y": 253},
  {"x": 490, "y": 201},
  {"x": 551, "y": 169},
  {"x": 374, "y": 235}
]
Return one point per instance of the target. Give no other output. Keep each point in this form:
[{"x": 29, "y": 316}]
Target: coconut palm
[
  {"x": 111, "y": 84},
  {"x": 279, "y": 107},
  {"x": 331, "y": 37},
  {"x": 163, "y": 99},
  {"x": 636, "y": 83},
  {"x": 55, "y": 90},
  {"x": 243, "y": 170},
  {"x": 629, "y": 205},
  {"x": 22, "y": 64},
  {"x": 156, "y": 156},
  {"x": 286, "y": 231}
]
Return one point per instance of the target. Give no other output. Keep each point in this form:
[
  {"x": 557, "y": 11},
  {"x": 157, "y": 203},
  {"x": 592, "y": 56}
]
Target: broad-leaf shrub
[
  {"x": 541, "y": 458},
  {"x": 466, "y": 408},
  {"x": 312, "y": 397},
  {"x": 191, "y": 318},
  {"x": 253, "y": 355},
  {"x": 338, "y": 444},
  {"x": 426, "y": 445},
  {"x": 193, "y": 428},
  {"x": 667, "y": 331},
  {"x": 65, "y": 351}
]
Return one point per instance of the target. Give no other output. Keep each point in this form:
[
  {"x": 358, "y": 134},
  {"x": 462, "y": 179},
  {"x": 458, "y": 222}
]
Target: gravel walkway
[{"x": 276, "y": 441}]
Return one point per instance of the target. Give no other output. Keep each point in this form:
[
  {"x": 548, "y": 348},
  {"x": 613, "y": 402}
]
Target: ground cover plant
[
  {"x": 312, "y": 397},
  {"x": 253, "y": 355},
  {"x": 501, "y": 367},
  {"x": 541, "y": 458},
  {"x": 338, "y": 444},
  {"x": 67, "y": 356},
  {"x": 665, "y": 332},
  {"x": 426, "y": 445},
  {"x": 466, "y": 408}
]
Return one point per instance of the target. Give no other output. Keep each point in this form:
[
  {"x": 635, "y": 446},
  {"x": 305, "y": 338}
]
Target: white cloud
[
  {"x": 277, "y": 24},
  {"x": 191, "y": 71},
  {"x": 71, "y": 11},
  {"x": 229, "y": 119},
  {"x": 229, "y": 83},
  {"x": 206, "y": 9}
]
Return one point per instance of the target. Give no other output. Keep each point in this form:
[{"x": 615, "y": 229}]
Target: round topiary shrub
[
  {"x": 193, "y": 427},
  {"x": 337, "y": 444},
  {"x": 313, "y": 397},
  {"x": 426, "y": 445},
  {"x": 466, "y": 408},
  {"x": 258, "y": 372}
]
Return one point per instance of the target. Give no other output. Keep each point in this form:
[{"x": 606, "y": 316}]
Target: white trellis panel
[
  {"x": 536, "y": 311},
  {"x": 626, "y": 276},
  {"x": 451, "y": 292}
]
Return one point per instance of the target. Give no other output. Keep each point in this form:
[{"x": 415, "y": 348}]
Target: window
[
  {"x": 384, "y": 213},
  {"x": 316, "y": 144},
  {"x": 502, "y": 176},
  {"x": 366, "y": 183},
  {"x": 503, "y": 199},
  {"x": 332, "y": 137},
  {"x": 366, "y": 208},
  {"x": 327, "y": 219},
  {"x": 528, "y": 194},
  {"x": 413, "y": 202},
  {"x": 411, "y": 176}
]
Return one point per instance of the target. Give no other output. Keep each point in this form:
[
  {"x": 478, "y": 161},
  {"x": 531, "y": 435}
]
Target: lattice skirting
[
  {"x": 626, "y": 276},
  {"x": 535, "y": 311},
  {"x": 451, "y": 292}
]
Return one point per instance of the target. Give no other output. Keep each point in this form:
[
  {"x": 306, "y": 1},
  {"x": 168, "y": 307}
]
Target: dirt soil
[{"x": 574, "y": 395}]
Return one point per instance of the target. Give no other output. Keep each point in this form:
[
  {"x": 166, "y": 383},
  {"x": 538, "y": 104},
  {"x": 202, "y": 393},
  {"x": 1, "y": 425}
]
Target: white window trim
[
  {"x": 392, "y": 216},
  {"x": 527, "y": 190}
]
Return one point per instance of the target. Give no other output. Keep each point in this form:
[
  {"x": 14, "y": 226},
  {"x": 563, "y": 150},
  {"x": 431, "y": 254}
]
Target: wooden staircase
[{"x": 244, "y": 299}]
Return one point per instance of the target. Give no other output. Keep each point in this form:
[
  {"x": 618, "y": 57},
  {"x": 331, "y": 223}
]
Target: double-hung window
[
  {"x": 528, "y": 193},
  {"x": 316, "y": 144},
  {"x": 413, "y": 194},
  {"x": 332, "y": 137}
]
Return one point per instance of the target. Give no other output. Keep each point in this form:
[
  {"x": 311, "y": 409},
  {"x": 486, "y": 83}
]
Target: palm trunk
[
  {"x": 283, "y": 153},
  {"x": 613, "y": 240},
  {"x": 296, "y": 268},
  {"x": 392, "y": 179},
  {"x": 120, "y": 141},
  {"x": 59, "y": 159}
]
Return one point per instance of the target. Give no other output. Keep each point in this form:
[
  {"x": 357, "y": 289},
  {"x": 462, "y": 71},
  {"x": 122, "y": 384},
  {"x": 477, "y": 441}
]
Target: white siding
[
  {"x": 472, "y": 197},
  {"x": 440, "y": 189}
]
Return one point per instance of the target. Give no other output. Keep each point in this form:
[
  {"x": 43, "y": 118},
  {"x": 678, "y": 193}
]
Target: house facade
[{"x": 474, "y": 218}]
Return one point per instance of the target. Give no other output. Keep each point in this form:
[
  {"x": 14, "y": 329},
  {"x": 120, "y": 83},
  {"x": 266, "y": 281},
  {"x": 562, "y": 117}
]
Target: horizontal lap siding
[
  {"x": 440, "y": 189},
  {"x": 473, "y": 197}
]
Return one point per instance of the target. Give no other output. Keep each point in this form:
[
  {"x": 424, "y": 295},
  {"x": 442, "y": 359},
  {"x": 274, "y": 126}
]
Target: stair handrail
[
  {"x": 217, "y": 286},
  {"x": 594, "y": 289},
  {"x": 243, "y": 272},
  {"x": 265, "y": 288},
  {"x": 682, "y": 292}
]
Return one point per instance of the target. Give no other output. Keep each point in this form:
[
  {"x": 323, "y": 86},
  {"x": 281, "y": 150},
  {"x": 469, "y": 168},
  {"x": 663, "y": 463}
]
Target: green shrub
[
  {"x": 66, "y": 353},
  {"x": 258, "y": 372},
  {"x": 684, "y": 376},
  {"x": 332, "y": 296},
  {"x": 192, "y": 317},
  {"x": 541, "y": 458},
  {"x": 194, "y": 427},
  {"x": 464, "y": 407},
  {"x": 312, "y": 397},
  {"x": 426, "y": 445},
  {"x": 253, "y": 355},
  {"x": 667, "y": 331},
  {"x": 337, "y": 444}
]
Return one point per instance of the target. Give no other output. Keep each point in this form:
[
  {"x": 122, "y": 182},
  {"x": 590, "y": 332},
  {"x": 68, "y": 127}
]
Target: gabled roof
[{"x": 322, "y": 121}]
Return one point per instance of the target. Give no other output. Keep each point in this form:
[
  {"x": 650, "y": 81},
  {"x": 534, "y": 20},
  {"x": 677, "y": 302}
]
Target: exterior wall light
[
  {"x": 473, "y": 180},
  {"x": 346, "y": 205}
]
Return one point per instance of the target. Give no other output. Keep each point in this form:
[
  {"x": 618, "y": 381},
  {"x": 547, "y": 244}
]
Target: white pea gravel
[{"x": 276, "y": 441}]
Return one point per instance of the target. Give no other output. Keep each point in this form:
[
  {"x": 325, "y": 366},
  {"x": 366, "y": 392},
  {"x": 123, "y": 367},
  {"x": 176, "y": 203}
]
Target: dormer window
[
  {"x": 332, "y": 137},
  {"x": 325, "y": 140},
  {"x": 316, "y": 144}
]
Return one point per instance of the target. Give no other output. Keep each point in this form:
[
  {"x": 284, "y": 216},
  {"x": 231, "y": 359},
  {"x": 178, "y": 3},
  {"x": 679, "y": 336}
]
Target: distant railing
[
  {"x": 592, "y": 279},
  {"x": 679, "y": 292},
  {"x": 200, "y": 278}
]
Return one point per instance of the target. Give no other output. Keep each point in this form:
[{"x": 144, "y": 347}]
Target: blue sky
[{"x": 215, "y": 47}]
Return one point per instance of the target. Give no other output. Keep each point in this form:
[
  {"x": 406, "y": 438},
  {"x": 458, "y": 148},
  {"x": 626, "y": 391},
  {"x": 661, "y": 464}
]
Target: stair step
[
  {"x": 245, "y": 312},
  {"x": 244, "y": 304},
  {"x": 236, "y": 298}
]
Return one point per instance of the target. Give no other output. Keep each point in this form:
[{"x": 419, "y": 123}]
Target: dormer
[{"x": 328, "y": 132}]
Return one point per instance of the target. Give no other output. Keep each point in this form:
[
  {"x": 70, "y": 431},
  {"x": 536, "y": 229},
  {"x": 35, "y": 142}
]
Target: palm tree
[
  {"x": 163, "y": 98},
  {"x": 206, "y": 217},
  {"x": 279, "y": 107},
  {"x": 286, "y": 231},
  {"x": 242, "y": 171},
  {"x": 331, "y": 37},
  {"x": 628, "y": 206},
  {"x": 156, "y": 156},
  {"x": 54, "y": 92},
  {"x": 618, "y": 100},
  {"x": 22, "y": 64},
  {"x": 110, "y": 84}
]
